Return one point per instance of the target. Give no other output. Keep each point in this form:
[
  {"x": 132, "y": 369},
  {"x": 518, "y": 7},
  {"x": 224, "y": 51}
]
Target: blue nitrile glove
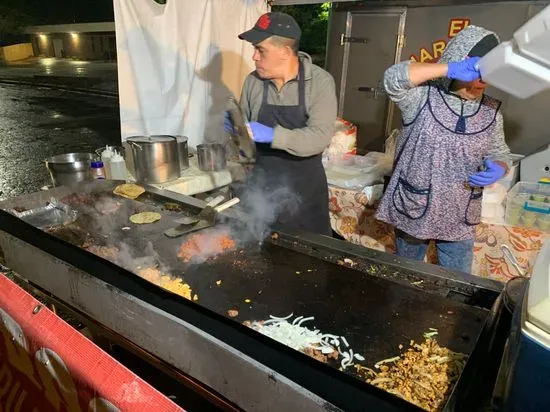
[
  {"x": 228, "y": 123},
  {"x": 261, "y": 133},
  {"x": 490, "y": 175},
  {"x": 466, "y": 70}
]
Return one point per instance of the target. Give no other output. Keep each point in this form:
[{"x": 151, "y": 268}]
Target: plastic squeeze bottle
[
  {"x": 106, "y": 156},
  {"x": 118, "y": 167}
]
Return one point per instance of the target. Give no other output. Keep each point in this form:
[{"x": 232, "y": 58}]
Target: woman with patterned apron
[{"x": 451, "y": 146}]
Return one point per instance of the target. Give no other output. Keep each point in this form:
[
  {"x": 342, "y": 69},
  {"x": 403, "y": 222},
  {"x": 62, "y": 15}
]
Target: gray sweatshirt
[
  {"x": 320, "y": 105},
  {"x": 410, "y": 99}
]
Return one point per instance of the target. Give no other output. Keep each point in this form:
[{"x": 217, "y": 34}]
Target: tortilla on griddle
[
  {"x": 129, "y": 190},
  {"x": 145, "y": 218}
]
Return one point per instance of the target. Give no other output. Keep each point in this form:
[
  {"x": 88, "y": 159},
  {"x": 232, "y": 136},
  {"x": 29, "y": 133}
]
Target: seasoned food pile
[
  {"x": 424, "y": 375},
  {"x": 174, "y": 285},
  {"x": 202, "y": 246}
]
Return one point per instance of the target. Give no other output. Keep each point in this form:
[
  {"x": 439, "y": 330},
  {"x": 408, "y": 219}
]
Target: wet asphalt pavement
[{"x": 36, "y": 123}]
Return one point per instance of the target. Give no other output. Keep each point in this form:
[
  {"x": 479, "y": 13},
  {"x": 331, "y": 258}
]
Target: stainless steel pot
[
  {"x": 155, "y": 158},
  {"x": 183, "y": 152},
  {"x": 70, "y": 168},
  {"x": 211, "y": 157}
]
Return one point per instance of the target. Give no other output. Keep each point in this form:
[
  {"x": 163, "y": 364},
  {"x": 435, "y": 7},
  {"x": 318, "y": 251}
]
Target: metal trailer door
[
  {"x": 372, "y": 42},
  {"x": 58, "y": 48}
]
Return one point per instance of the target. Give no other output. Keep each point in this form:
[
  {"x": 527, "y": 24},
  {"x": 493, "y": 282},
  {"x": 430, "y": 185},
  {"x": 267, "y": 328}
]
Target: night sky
[{"x": 68, "y": 11}]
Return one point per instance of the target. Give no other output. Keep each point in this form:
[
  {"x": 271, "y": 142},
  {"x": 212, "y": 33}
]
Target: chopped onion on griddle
[{"x": 295, "y": 335}]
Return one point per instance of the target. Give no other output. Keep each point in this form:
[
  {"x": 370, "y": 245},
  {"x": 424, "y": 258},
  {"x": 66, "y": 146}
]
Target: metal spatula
[
  {"x": 207, "y": 218},
  {"x": 189, "y": 220},
  {"x": 241, "y": 136}
]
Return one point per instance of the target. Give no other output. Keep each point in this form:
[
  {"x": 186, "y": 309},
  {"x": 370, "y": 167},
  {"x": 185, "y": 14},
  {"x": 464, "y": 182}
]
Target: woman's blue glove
[
  {"x": 465, "y": 71},
  {"x": 490, "y": 175},
  {"x": 261, "y": 133},
  {"x": 228, "y": 123}
]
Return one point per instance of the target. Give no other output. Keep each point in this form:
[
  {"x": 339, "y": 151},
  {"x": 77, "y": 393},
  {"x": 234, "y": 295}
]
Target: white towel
[{"x": 178, "y": 63}]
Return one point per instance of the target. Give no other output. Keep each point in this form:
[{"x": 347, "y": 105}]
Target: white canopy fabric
[{"x": 179, "y": 62}]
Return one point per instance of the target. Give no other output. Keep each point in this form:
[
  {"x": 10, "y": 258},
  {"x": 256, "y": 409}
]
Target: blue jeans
[{"x": 452, "y": 255}]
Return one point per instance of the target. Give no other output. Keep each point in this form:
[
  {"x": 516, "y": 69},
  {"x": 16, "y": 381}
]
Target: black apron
[{"x": 301, "y": 178}]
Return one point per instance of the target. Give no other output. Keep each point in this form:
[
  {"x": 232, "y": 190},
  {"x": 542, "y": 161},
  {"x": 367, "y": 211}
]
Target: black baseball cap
[{"x": 272, "y": 24}]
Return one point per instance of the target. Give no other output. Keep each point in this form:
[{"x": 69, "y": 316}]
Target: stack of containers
[{"x": 528, "y": 205}]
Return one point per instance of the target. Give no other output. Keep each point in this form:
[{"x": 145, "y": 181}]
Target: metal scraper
[
  {"x": 207, "y": 218},
  {"x": 189, "y": 220},
  {"x": 242, "y": 136}
]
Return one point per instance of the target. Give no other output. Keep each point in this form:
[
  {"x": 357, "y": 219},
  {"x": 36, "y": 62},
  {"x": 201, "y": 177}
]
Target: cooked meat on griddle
[
  {"x": 71, "y": 234},
  {"x": 308, "y": 341},
  {"x": 107, "y": 206},
  {"x": 77, "y": 198},
  {"x": 424, "y": 375},
  {"x": 203, "y": 246},
  {"x": 318, "y": 355},
  {"x": 109, "y": 253}
]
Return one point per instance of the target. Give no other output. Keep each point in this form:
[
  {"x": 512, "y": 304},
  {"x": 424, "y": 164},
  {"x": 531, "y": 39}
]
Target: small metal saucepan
[
  {"x": 183, "y": 152},
  {"x": 211, "y": 157}
]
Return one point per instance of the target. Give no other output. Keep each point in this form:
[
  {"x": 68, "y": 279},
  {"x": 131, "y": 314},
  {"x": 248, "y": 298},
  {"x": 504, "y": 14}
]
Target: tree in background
[
  {"x": 13, "y": 20},
  {"x": 313, "y": 20}
]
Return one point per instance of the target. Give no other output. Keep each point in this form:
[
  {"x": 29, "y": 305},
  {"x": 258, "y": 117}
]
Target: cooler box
[{"x": 527, "y": 365}]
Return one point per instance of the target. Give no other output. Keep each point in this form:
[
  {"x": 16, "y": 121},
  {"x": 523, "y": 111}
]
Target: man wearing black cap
[{"x": 291, "y": 106}]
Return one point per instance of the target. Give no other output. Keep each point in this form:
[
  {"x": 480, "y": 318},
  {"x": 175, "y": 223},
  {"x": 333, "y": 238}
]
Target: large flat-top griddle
[{"x": 371, "y": 299}]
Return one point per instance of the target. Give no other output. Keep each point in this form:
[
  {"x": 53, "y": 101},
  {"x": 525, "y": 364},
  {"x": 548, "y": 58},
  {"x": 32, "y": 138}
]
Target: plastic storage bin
[
  {"x": 512, "y": 177},
  {"x": 521, "y": 67},
  {"x": 533, "y": 37},
  {"x": 528, "y": 205},
  {"x": 513, "y": 73}
]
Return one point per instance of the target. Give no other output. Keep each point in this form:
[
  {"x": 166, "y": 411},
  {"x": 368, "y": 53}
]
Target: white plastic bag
[{"x": 356, "y": 172}]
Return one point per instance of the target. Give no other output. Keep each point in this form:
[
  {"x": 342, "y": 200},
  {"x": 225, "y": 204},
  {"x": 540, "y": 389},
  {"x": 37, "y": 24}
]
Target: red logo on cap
[{"x": 263, "y": 22}]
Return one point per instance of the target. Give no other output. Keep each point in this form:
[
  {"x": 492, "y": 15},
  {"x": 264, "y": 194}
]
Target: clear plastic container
[
  {"x": 528, "y": 205},
  {"x": 98, "y": 171},
  {"x": 118, "y": 167}
]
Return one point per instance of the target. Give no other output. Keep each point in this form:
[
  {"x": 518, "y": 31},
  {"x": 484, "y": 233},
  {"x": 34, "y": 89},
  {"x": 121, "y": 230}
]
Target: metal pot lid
[{"x": 151, "y": 139}]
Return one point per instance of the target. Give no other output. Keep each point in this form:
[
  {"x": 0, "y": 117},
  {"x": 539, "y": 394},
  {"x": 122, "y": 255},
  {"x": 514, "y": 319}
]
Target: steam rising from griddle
[
  {"x": 104, "y": 214},
  {"x": 133, "y": 260},
  {"x": 262, "y": 204}
]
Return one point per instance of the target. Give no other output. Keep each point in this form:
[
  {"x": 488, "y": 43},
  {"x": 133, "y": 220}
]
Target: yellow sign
[{"x": 434, "y": 52}]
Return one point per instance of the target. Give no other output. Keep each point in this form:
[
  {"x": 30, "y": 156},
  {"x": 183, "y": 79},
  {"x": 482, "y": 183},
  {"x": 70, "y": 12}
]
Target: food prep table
[{"x": 376, "y": 300}]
